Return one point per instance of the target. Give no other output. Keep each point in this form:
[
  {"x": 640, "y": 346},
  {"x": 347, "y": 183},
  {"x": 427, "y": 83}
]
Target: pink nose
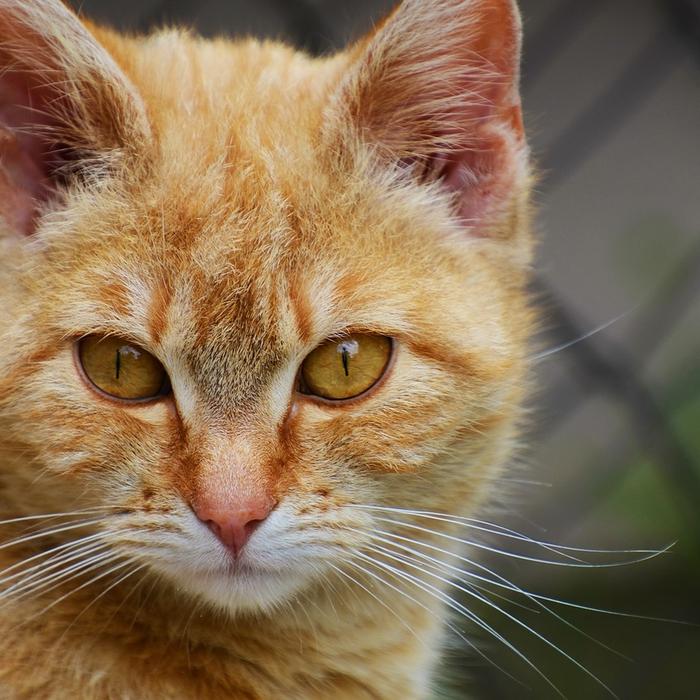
[{"x": 234, "y": 523}]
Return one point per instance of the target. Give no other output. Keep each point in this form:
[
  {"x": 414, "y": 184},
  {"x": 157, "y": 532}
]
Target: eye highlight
[
  {"x": 345, "y": 367},
  {"x": 121, "y": 369}
]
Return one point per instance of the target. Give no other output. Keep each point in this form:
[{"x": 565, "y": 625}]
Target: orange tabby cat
[{"x": 252, "y": 302}]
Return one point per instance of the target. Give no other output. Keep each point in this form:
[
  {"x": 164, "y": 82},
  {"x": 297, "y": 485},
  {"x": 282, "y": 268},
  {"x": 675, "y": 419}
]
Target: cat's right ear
[{"x": 66, "y": 109}]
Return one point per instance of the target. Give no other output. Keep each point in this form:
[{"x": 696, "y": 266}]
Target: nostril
[
  {"x": 214, "y": 527},
  {"x": 233, "y": 526},
  {"x": 258, "y": 517},
  {"x": 252, "y": 526}
]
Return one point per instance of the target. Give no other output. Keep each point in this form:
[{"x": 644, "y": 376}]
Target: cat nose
[{"x": 234, "y": 523}]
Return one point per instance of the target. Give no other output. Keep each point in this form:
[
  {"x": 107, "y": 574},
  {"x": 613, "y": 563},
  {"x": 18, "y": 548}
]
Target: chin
[
  {"x": 238, "y": 586},
  {"x": 246, "y": 590}
]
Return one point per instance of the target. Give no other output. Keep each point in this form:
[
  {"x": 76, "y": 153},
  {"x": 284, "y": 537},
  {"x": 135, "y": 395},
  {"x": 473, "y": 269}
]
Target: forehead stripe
[
  {"x": 161, "y": 298},
  {"x": 302, "y": 311}
]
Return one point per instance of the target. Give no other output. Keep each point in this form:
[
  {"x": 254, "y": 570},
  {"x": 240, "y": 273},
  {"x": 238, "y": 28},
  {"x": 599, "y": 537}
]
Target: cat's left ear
[
  {"x": 66, "y": 108},
  {"x": 434, "y": 92}
]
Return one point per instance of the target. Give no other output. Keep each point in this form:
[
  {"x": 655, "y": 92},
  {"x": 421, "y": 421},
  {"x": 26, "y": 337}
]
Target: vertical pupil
[
  {"x": 345, "y": 355},
  {"x": 118, "y": 363}
]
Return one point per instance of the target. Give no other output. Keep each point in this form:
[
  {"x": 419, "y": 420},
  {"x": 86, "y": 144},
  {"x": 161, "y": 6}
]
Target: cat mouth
[
  {"x": 241, "y": 583},
  {"x": 245, "y": 564},
  {"x": 237, "y": 566}
]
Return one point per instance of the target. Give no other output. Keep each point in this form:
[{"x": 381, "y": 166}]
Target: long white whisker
[
  {"x": 83, "y": 585},
  {"x": 479, "y": 525},
  {"x": 511, "y": 617},
  {"x": 51, "y": 553},
  {"x": 463, "y": 575},
  {"x": 465, "y": 612},
  {"x": 48, "y": 533},
  {"x": 563, "y": 346},
  {"x": 48, "y": 516},
  {"x": 35, "y": 580},
  {"x": 379, "y": 600},
  {"x": 515, "y": 555},
  {"x": 503, "y": 582},
  {"x": 437, "y": 565},
  {"x": 409, "y": 597},
  {"x": 20, "y": 590},
  {"x": 500, "y": 530}
]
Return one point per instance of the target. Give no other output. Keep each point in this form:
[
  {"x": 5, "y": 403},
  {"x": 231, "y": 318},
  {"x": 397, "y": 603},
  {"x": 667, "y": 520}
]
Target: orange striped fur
[{"x": 228, "y": 206}]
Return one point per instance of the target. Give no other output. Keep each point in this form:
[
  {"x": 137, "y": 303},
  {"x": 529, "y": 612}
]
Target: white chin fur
[{"x": 245, "y": 591}]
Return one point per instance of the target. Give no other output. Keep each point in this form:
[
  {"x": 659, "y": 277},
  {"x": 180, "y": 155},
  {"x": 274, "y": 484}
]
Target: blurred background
[{"x": 611, "y": 92}]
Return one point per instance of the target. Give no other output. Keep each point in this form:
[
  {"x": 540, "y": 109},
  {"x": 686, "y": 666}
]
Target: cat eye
[
  {"x": 121, "y": 369},
  {"x": 345, "y": 367}
]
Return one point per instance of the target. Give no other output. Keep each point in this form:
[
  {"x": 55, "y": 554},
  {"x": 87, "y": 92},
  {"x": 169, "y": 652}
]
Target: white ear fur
[
  {"x": 63, "y": 102},
  {"x": 435, "y": 88}
]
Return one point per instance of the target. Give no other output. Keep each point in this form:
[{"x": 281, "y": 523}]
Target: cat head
[{"x": 252, "y": 295}]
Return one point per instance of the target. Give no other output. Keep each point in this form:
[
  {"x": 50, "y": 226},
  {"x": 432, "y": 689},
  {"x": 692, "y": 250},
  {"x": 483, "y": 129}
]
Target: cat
[{"x": 265, "y": 318}]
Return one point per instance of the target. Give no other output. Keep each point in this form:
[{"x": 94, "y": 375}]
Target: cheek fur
[{"x": 76, "y": 432}]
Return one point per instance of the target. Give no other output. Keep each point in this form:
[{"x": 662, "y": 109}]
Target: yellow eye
[
  {"x": 121, "y": 369},
  {"x": 345, "y": 367}
]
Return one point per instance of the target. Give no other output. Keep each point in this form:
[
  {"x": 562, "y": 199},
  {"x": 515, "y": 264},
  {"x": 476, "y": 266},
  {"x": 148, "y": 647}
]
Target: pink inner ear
[
  {"x": 436, "y": 88},
  {"x": 482, "y": 176},
  {"x": 482, "y": 173},
  {"x": 64, "y": 103},
  {"x": 24, "y": 182}
]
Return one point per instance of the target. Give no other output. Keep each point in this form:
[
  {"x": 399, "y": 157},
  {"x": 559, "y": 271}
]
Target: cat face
[{"x": 234, "y": 208}]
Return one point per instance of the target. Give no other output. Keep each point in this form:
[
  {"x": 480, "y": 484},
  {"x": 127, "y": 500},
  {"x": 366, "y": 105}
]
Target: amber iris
[
  {"x": 345, "y": 367},
  {"x": 121, "y": 369}
]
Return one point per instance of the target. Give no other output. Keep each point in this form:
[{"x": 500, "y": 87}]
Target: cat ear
[
  {"x": 66, "y": 109},
  {"x": 435, "y": 92}
]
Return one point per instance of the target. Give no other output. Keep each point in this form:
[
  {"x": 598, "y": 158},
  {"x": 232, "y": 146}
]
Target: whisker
[
  {"x": 450, "y": 626},
  {"x": 435, "y": 563},
  {"x": 465, "y": 612},
  {"x": 380, "y": 601},
  {"x": 500, "y": 530},
  {"x": 48, "y": 516},
  {"x": 505, "y": 583},
  {"x": 512, "y": 618},
  {"x": 48, "y": 552},
  {"x": 48, "y": 533},
  {"x": 83, "y": 585},
  {"x": 37, "y": 528},
  {"x": 76, "y": 550},
  {"x": 19, "y": 591},
  {"x": 524, "y": 557},
  {"x": 563, "y": 346}
]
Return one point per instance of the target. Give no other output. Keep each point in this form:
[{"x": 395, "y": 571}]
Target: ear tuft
[
  {"x": 435, "y": 91},
  {"x": 64, "y": 105}
]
